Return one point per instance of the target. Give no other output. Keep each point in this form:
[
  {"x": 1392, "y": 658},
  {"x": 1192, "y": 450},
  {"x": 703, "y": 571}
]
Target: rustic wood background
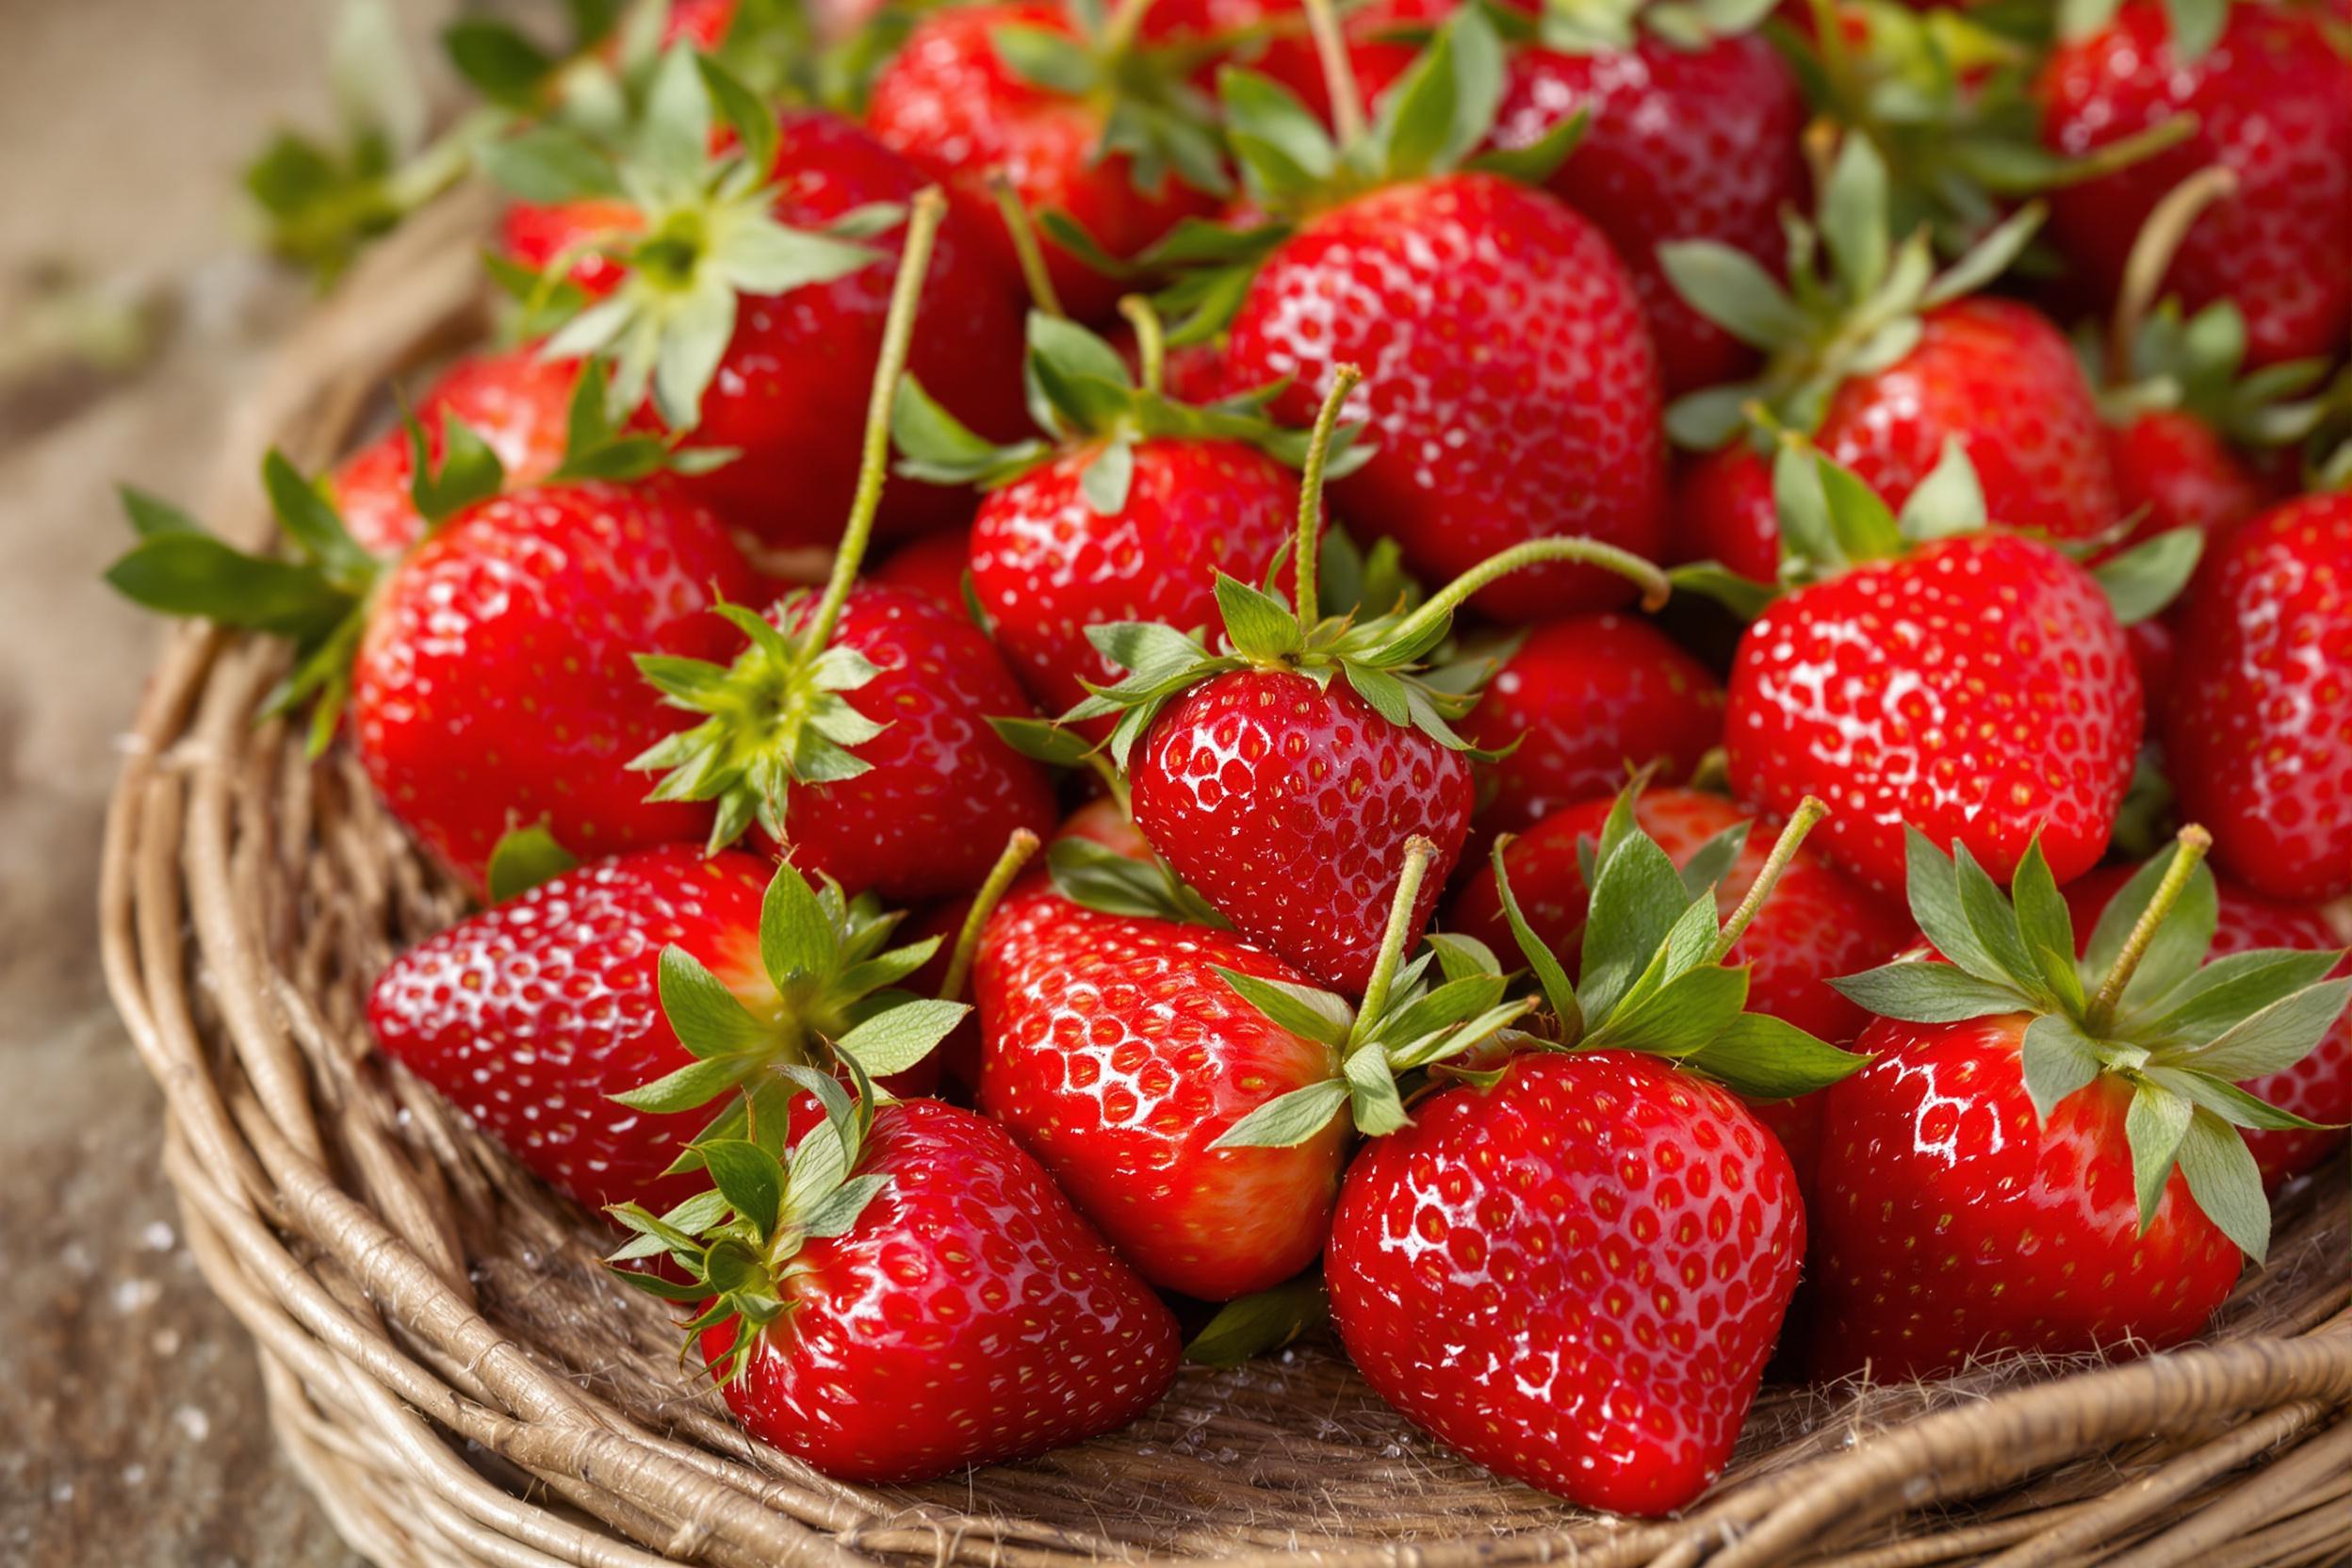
[{"x": 132, "y": 316}]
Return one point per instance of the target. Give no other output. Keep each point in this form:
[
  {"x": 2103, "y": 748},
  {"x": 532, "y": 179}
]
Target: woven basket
[{"x": 461, "y": 1383}]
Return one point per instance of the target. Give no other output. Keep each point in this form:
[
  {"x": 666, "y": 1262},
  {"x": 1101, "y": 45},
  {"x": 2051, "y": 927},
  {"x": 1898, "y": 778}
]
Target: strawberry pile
[{"x": 1491, "y": 676}]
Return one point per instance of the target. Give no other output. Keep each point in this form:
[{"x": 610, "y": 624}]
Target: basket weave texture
[{"x": 460, "y": 1382}]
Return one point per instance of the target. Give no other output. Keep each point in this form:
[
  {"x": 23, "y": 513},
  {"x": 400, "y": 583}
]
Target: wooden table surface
[{"x": 131, "y": 1424}]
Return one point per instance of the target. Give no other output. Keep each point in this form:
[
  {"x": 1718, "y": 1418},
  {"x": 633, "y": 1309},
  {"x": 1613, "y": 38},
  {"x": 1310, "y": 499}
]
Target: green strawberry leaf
[
  {"x": 1763, "y": 1057},
  {"x": 1558, "y": 995},
  {"x": 1261, "y": 1324},
  {"x": 1311, "y": 1014},
  {"x": 523, "y": 859},
  {"x": 2154, "y": 1126},
  {"x": 1289, "y": 1120},
  {"x": 1925, "y": 991},
  {"x": 902, "y": 1035},
  {"x": 2141, "y": 582},
  {"x": 2273, "y": 1039},
  {"x": 2226, "y": 1183}
]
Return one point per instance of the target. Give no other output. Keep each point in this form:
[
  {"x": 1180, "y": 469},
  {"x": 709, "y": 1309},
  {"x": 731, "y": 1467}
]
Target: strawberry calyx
[
  {"x": 738, "y": 1244},
  {"x": 2195, "y": 25},
  {"x": 1082, "y": 395},
  {"x": 826, "y": 995},
  {"x": 1263, "y": 1322},
  {"x": 1382, "y": 657},
  {"x": 2141, "y": 1006},
  {"x": 1851, "y": 306},
  {"x": 523, "y": 857},
  {"x": 1602, "y": 26},
  {"x": 318, "y": 597},
  {"x": 777, "y": 718},
  {"x": 1152, "y": 114}
]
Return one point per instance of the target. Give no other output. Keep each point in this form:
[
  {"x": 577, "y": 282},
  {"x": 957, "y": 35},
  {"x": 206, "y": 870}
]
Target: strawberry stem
[
  {"x": 1118, "y": 36},
  {"x": 1034, "y": 273},
  {"x": 1307, "y": 548},
  {"x": 1808, "y": 813},
  {"x": 2167, "y": 226},
  {"x": 898, "y": 331},
  {"x": 1339, "y": 73},
  {"x": 1151, "y": 342},
  {"x": 2193, "y": 841},
  {"x": 1589, "y": 552},
  {"x": 1418, "y": 851},
  {"x": 1018, "y": 849}
]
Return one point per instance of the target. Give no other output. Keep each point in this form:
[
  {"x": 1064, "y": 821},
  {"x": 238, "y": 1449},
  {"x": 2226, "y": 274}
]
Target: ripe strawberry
[
  {"x": 748, "y": 292},
  {"x": 1884, "y": 364},
  {"x": 1975, "y": 685},
  {"x": 1273, "y": 37},
  {"x": 1584, "y": 698},
  {"x": 907, "y": 1293},
  {"x": 589, "y": 1023},
  {"x": 2268, "y": 97},
  {"x": 2257, "y": 740},
  {"x": 2319, "y": 1087},
  {"x": 1652, "y": 166},
  {"x": 1090, "y": 125},
  {"x": 933, "y": 565},
  {"x": 2043, "y": 1156}
]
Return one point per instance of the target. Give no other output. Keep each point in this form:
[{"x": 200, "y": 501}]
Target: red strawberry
[
  {"x": 2319, "y": 1087},
  {"x": 2048, "y": 1164},
  {"x": 1975, "y": 685},
  {"x": 535, "y": 1015},
  {"x": 1608, "y": 1245},
  {"x": 1656, "y": 162},
  {"x": 1584, "y": 698},
  {"x": 1280, "y": 46},
  {"x": 908, "y": 1295},
  {"x": 2257, "y": 738},
  {"x": 2271, "y": 101},
  {"x": 2174, "y": 470},
  {"x": 774, "y": 369},
  {"x": 931, "y": 566},
  {"x": 967, "y": 97}
]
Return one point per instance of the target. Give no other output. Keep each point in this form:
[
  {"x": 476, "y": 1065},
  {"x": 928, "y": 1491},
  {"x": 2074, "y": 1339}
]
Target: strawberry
[
  {"x": 589, "y": 1022},
  {"x": 1125, "y": 511},
  {"x": 1081, "y": 122},
  {"x": 933, "y": 565},
  {"x": 1975, "y": 685},
  {"x": 2045, "y": 1156},
  {"x": 1283, "y": 780},
  {"x": 2255, "y": 735},
  {"x": 1883, "y": 363},
  {"x": 2319, "y": 1087},
  {"x": 514, "y": 617},
  {"x": 1273, "y": 37},
  {"x": 1584, "y": 697},
  {"x": 748, "y": 292},
  {"x": 903, "y": 1295},
  {"x": 1609, "y": 1243},
  {"x": 1512, "y": 388},
  {"x": 852, "y": 728},
  {"x": 2263, "y": 93},
  {"x": 1668, "y": 99}
]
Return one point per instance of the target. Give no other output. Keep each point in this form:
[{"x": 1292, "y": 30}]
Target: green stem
[
  {"x": 1018, "y": 849},
  {"x": 1035, "y": 274},
  {"x": 1418, "y": 851},
  {"x": 1308, "y": 546},
  {"x": 2168, "y": 223},
  {"x": 1151, "y": 341},
  {"x": 898, "y": 332},
  {"x": 1589, "y": 552},
  {"x": 1809, "y": 812},
  {"x": 2193, "y": 841},
  {"x": 1339, "y": 73}
]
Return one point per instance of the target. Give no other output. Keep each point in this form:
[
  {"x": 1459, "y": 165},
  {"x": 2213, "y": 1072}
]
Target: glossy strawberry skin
[
  {"x": 1586, "y": 697},
  {"x": 2259, "y": 730},
  {"x": 948, "y": 101},
  {"x": 1977, "y": 689},
  {"x": 941, "y": 791},
  {"x": 1288, "y": 806},
  {"x": 1683, "y": 144},
  {"x": 493, "y": 683},
  {"x": 1118, "y": 1055},
  {"x": 2174, "y": 471},
  {"x": 529, "y": 1015},
  {"x": 970, "y": 1315},
  {"x": 2272, "y": 103},
  {"x": 790, "y": 390},
  {"x": 514, "y": 401},
  {"x": 1574, "y": 1278},
  {"x": 2319, "y": 1087},
  {"x": 1046, "y": 566},
  {"x": 1511, "y": 386},
  {"x": 1992, "y": 372},
  {"x": 1949, "y": 1224}
]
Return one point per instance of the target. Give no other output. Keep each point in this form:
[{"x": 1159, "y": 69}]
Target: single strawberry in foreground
[
  {"x": 1973, "y": 684},
  {"x": 2045, "y": 1157},
  {"x": 1573, "y": 1268},
  {"x": 590, "y": 1024},
  {"x": 903, "y": 1294},
  {"x": 1283, "y": 780},
  {"x": 2258, "y": 733}
]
